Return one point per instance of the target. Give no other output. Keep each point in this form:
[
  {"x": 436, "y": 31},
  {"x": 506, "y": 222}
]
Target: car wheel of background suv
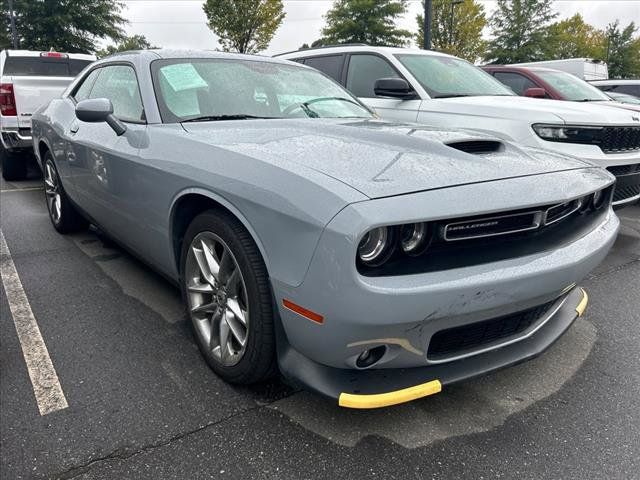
[
  {"x": 226, "y": 289},
  {"x": 14, "y": 165}
]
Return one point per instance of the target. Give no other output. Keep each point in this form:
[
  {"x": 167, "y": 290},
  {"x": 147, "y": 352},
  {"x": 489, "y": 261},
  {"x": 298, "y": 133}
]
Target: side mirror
[
  {"x": 393, "y": 87},
  {"x": 96, "y": 110},
  {"x": 535, "y": 92}
]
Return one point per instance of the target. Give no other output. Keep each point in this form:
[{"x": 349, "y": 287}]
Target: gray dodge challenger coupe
[{"x": 371, "y": 262}]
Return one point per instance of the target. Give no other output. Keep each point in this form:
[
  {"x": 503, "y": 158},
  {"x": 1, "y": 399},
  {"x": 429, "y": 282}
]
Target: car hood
[
  {"x": 379, "y": 158},
  {"x": 626, "y": 106},
  {"x": 535, "y": 110}
]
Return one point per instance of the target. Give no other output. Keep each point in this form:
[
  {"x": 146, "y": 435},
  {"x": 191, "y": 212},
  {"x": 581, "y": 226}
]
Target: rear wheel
[
  {"x": 14, "y": 165},
  {"x": 228, "y": 296},
  {"x": 63, "y": 214}
]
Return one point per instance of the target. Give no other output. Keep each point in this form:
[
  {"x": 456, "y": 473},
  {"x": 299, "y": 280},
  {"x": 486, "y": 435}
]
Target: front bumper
[
  {"x": 383, "y": 387},
  {"x": 401, "y": 314},
  {"x": 627, "y": 189}
]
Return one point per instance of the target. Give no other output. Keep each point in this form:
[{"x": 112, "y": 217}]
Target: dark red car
[{"x": 540, "y": 82}]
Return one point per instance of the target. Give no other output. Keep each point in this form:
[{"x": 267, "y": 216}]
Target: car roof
[
  {"x": 169, "y": 53},
  {"x": 517, "y": 67},
  {"x": 329, "y": 49}
]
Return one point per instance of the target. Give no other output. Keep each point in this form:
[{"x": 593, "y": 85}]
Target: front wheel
[{"x": 228, "y": 297}]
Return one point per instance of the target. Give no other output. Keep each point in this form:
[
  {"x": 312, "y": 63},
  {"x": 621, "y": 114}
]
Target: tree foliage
[
  {"x": 134, "y": 42},
  {"x": 5, "y": 39},
  {"x": 64, "y": 25},
  {"x": 366, "y": 21},
  {"x": 519, "y": 28},
  {"x": 574, "y": 38},
  {"x": 245, "y": 26},
  {"x": 456, "y": 28},
  {"x": 623, "y": 57}
]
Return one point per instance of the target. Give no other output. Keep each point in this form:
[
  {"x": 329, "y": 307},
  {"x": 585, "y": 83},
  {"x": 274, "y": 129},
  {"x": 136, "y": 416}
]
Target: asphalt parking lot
[{"x": 141, "y": 403}]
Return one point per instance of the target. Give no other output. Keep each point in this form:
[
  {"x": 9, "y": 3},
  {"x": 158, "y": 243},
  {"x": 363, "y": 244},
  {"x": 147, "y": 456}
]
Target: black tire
[
  {"x": 258, "y": 362},
  {"x": 14, "y": 165},
  {"x": 70, "y": 220}
]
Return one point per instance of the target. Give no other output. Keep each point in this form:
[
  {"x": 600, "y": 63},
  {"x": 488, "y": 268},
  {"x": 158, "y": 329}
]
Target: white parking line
[
  {"x": 25, "y": 189},
  {"x": 46, "y": 387}
]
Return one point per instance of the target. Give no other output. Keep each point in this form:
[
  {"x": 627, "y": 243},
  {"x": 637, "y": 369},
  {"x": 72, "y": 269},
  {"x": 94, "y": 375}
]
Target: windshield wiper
[
  {"x": 305, "y": 106},
  {"x": 324, "y": 99},
  {"x": 215, "y": 118}
]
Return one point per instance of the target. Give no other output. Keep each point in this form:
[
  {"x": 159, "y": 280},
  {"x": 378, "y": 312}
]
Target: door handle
[{"x": 74, "y": 128}]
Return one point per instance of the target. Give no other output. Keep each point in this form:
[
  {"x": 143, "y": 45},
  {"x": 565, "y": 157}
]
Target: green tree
[
  {"x": 134, "y": 42},
  {"x": 5, "y": 40},
  {"x": 456, "y": 28},
  {"x": 519, "y": 28},
  {"x": 366, "y": 21},
  {"x": 574, "y": 38},
  {"x": 65, "y": 25},
  {"x": 245, "y": 26},
  {"x": 623, "y": 51}
]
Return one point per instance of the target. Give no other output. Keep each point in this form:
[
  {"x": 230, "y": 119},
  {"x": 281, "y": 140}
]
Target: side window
[
  {"x": 628, "y": 89},
  {"x": 363, "y": 72},
  {"x": 82, "y": 92},
  {"x": 518, "y": 83},
  {"x": 119, "y": 84},
  {"x": 329, "y": 64}
]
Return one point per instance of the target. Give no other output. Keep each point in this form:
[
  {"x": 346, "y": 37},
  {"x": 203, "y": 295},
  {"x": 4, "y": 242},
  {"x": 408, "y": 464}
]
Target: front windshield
[
  {"x": 571, "y": 87},
  {"x": 444, "y": 77},
  {"x": 624, "y": 98},
  {"x": 220, "y": 89}
]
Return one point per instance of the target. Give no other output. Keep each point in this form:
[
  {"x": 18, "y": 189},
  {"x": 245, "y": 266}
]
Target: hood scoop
[{"x": 477, "y": 147}]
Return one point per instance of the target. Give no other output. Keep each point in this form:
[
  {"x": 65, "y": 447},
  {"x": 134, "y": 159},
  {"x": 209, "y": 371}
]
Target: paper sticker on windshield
[{"x": 182, "y": 76}]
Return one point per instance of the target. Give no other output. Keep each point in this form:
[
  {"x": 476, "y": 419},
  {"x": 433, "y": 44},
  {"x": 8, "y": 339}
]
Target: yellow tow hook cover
[
  {"x": 582, "y": 306},
  {"x": 378, "y": 400}
]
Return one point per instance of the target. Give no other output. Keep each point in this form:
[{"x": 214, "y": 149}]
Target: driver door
[
  {"x": 362, "y": 71},
  {"x": 103, "y": 161}
]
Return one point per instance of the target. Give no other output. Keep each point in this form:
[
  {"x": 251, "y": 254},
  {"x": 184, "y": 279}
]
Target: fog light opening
[{"x": 370, "y": 356}]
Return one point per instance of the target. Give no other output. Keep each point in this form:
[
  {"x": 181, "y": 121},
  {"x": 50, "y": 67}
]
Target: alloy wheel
[
  {"x": 217, "y": 298},
  {"x": 52, "y": 191}
]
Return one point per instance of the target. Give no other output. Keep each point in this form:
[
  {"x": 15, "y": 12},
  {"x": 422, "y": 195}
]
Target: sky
[{"x": 182, "y": 23}]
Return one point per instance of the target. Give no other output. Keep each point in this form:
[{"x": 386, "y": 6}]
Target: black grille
[
  {"x": 477, "y": 146},
  {"x": 458, "y": 340},
  {"x": 618, "y": 170},
  {"x": 623, "y": 193},
  {"x": 620, "y": 139}
]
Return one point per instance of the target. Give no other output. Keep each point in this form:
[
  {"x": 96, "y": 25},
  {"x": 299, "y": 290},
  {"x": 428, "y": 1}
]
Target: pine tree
[
  {"x": 366, "y": 21},
  {"x": 519, "y": 28},
  {"x": 623, "y": 49}
]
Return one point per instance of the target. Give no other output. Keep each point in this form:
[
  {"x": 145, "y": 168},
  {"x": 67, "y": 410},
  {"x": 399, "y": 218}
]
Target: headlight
[
  {"x": 569, "y": 133},
  {"x": 376, "y": 246},
  {"x": 414, "y": 238}
]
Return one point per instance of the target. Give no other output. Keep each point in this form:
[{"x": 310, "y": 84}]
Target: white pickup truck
[{"x": 29, "y": 80}]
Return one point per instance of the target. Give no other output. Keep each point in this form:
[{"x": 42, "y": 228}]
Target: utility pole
[
  {"x": 14, "y": 34},
  {"x": 428, "y": 12},
  {"x": 453, "y": 4}
]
